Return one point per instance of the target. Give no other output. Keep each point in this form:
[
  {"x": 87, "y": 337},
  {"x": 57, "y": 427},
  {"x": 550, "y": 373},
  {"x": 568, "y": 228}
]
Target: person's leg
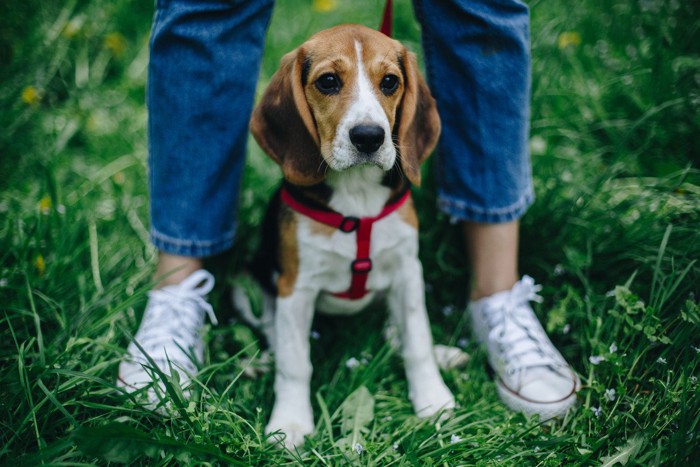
[
  {"x": 204, "y": 64},
  {"x": 493, "y": 255},
  {"x": 173, "y": 269},
  {"x": 478, "y": 63},
  {"x": 482, "y": 166}
]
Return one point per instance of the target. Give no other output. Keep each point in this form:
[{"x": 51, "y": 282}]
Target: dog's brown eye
[
  {"x": 328, "y": 84},
  {"x": 389, "y": 84}
]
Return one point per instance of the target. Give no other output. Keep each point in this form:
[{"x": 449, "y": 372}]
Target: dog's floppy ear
[
  {"x": 283, "y": 126},
  {"x": 419, "y": 122}
]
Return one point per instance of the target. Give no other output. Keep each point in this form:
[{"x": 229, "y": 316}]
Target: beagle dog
[{"x": 349, "y": 119}]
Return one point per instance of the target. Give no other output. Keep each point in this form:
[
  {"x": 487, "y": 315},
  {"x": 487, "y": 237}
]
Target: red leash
[
  {"x": 387, "y": 19},
  {"x": 362, "y": 264}
]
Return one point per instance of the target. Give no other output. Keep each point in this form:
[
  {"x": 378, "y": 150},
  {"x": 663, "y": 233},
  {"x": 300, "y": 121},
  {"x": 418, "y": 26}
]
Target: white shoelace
[
  {"x": 170, "y": 327},
  {"x": 519, "y": 336}
]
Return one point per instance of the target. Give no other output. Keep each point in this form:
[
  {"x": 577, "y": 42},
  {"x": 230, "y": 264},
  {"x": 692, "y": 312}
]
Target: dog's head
[{"x": 347, "y": 96}]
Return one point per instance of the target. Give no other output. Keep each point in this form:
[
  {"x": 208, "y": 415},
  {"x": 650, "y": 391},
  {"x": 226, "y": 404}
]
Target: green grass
[{"x": 614, "y": 237}]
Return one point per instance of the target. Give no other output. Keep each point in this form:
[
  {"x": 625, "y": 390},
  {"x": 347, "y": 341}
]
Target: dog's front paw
[
  {"x": 431, "y": 398},
  {"x": 289, "y": 426}
]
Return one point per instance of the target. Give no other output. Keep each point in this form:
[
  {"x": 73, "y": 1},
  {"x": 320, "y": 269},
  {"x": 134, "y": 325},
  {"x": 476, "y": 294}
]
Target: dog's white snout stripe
[
  {"x": 354, "y": 138},
  {"x": 366, "y": 108}
]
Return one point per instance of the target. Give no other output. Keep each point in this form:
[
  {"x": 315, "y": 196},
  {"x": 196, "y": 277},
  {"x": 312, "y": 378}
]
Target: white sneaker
[
  {"x": 531, "y": 375},
  {"x": 170, "y": 334}
]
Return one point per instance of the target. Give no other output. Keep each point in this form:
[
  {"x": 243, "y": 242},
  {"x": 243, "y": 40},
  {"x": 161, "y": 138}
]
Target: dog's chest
[
  {"x": 325, "y": 258},
  {"x": 325, "y": 253}
]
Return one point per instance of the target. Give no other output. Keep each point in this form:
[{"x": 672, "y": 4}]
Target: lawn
[{"x": 614, "y": 237}]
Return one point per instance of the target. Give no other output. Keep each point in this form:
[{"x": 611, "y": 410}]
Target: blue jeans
[
  {"x": 477, "y": 55},
  {"x": 204, "y": 64}
]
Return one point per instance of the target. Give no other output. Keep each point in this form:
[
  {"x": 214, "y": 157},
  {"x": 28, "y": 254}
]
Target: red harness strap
[{"x": 362, "y": 264}]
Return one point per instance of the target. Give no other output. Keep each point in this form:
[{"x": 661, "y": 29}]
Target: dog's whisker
[
  {"x": 399, "y": 158},
  {"x": 330, "y": 161},
  {"x": 411, "y": 164}
]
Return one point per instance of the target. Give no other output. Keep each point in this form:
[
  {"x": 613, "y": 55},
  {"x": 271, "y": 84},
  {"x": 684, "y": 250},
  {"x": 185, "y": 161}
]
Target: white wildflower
[
  {"x": 596, "y": 359},
  {"x": 359, "y": 449},
  {"x": 596, "y": 411},
  {"x": 613, "y": 348},
  {"x": 352, "y": 362},
  {"x": 455, "y": 439},
  {"x": 610, "y": 394},
  {"x": 538, "y": 145},
  {"x": 661, "y": 360},
  {"x": 315, "y": 335}
]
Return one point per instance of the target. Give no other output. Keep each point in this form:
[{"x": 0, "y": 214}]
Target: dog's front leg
[
  {"x": 426, "y": 389},
  {"x": 292, "y": 414}
]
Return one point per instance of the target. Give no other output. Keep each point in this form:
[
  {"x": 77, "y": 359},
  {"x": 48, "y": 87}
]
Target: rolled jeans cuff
[
  {"x": 191, "y": 248},
  {"x": 461, "y": 210}
]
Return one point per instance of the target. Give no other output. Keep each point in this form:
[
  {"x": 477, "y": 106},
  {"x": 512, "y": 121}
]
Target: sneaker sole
[{"x": 546, "y": 410}]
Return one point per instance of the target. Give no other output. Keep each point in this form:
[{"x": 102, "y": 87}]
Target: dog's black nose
[{"x": 367, "y": 138}]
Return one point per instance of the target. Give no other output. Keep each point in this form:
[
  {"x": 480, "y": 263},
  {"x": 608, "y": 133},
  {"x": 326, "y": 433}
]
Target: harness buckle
[
  {"x": 349, "y": 224},
  {"x": 361, "y": 266}
]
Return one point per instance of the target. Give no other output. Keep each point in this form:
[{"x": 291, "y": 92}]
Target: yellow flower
[
  {"x": 119, "y": 178},
  {"x": 73, "y": 27},
  {"x": 115, "y": 43},
  {"x": 568, "y": 39},
  {"x": 31, "y": 96},
  {"x": 40, "y": 264},
  {"x": 45, "y": 204},
  {"x": 324, "y": 6}
]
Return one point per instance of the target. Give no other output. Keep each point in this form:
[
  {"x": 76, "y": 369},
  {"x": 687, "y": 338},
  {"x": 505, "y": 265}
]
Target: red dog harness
[{"x": 362, "y": 264}]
